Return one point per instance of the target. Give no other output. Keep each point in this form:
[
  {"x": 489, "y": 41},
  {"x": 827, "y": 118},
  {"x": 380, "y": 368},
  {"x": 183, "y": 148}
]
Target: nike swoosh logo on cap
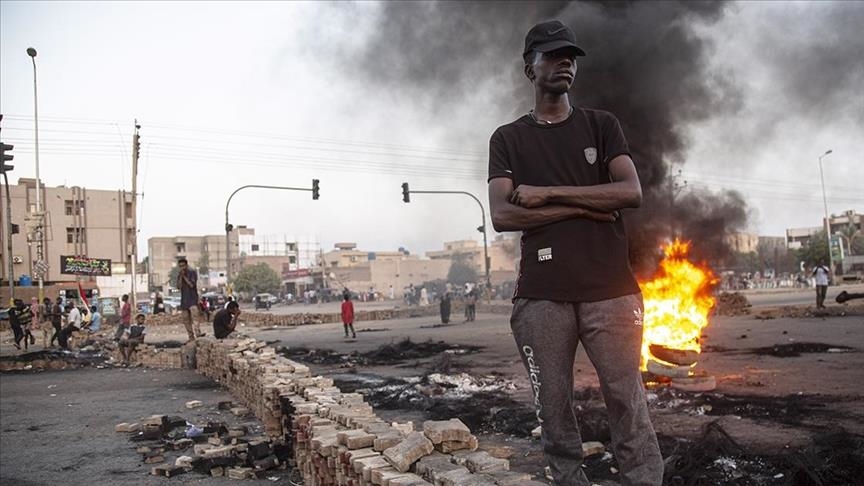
[{"x": 553, "y": 32}]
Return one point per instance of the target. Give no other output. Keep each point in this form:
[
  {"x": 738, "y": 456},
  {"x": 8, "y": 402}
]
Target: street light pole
[
  {"x": 228, "y": 227},
  {"x": 482, "y": 228},
  {"x": 40, "y": 257},
  {"x": 827, "y": 223}
]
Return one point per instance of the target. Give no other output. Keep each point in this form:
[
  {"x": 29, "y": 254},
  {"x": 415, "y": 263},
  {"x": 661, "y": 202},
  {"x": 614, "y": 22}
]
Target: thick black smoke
[{"x": 645, "y": 64}]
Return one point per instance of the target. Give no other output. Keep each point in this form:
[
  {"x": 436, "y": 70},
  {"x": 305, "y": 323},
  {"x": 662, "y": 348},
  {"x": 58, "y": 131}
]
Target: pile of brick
[
  {"x": 732, "y": 304},
  {"x": 215, "y": 449},
  {"x": 336, "y": 438}
]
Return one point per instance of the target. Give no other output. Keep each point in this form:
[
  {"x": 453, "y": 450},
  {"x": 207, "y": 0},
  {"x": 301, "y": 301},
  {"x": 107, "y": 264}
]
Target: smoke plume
[{"x": 645, "y": 64}]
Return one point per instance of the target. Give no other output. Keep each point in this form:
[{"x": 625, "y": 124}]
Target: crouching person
[
  {"x": 131, "y": 338},
  {"x": 225, "y": 320}
]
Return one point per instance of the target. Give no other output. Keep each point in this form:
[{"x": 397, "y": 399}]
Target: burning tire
[{"x": 695, "y": 383}]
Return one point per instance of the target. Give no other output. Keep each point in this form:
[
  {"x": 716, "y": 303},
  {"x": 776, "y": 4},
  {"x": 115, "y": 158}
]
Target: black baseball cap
[{"x": 550, "y": 36}]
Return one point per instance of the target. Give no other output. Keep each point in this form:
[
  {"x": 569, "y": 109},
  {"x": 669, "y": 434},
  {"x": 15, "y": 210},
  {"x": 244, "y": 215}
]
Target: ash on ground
[{"x": 388, "y": 354}]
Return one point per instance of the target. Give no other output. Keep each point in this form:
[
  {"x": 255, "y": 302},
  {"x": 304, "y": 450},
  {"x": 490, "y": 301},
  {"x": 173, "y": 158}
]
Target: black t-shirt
[
  {"x": 222, "y": 324},
  {"x": 575, "y": 260}
]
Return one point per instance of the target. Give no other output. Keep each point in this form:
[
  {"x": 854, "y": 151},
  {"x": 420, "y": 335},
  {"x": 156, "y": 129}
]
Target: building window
[
  {"x": 292, "y": 259},
  {"x": 128, "y": 210},
  {"x": 76, "y": 235},
  {"x": 73, "y": 207},
  {"x": 291, "y": 246},
  {"x": 181, "y": 247},
  {"x": 255, "y": 247}
]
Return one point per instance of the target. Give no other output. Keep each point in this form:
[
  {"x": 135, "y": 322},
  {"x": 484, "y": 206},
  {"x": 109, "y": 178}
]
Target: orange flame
[{"x": 677, "y": 302}]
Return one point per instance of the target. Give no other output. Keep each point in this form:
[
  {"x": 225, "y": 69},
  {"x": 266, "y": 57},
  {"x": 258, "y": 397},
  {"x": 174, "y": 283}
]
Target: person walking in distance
[
  {"x": 125, "y": 317},
  {"x": 444, "y": 307},
  {"x": 560, "y": 175},
  {"x": 821, "y": 273},
  {"x": 56, "y": 320},
  {"x": 46, "y": 326},
  {"x": 348, "y": 315},
  {"x": 187, "y": 282}
]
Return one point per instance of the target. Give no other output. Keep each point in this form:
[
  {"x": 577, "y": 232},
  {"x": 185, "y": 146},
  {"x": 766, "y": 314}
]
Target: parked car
[{"x": 172, "y": 304}]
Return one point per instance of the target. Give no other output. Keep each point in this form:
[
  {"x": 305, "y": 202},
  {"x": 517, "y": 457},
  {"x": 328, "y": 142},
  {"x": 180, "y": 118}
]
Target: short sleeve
[
  {"x": 614, "y": 143},
  {"x": 499, "y": 161}
]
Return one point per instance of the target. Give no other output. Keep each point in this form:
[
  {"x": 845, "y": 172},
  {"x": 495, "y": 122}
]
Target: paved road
[{"x": 779, "y": 297}]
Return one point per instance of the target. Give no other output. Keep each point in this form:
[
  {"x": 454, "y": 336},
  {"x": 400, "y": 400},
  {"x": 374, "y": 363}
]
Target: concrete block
[
  {"x": 439, "y": 431},
  {"x": 592, "y": 448},
  {"x": 194, "y": 404},
  {"x": 403, "y": 455},
  {"x": 481, "y": 462}
]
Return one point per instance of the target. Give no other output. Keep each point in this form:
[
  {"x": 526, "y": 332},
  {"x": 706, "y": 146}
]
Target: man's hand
[{"x": 529, "y": 196}]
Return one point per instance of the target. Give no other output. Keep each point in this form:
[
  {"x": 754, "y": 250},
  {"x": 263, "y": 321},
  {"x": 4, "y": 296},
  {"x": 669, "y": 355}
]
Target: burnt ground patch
[
  {"x": 76, "y": 358},
  {"x": 834, "y": 458},
  {"x": 791, "y": 350},
  {"x": 483, "y": 412},
  {"x": 796, "y": 410},
  {"x": 388, "y": 354},
  {"x": 787, "y": 350}
]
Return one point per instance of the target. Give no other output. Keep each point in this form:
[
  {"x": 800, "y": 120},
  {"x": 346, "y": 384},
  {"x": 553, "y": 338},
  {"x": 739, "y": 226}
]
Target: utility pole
[
  {"x": 136, "y": 152},
  {"x": 827, "y": 221}
]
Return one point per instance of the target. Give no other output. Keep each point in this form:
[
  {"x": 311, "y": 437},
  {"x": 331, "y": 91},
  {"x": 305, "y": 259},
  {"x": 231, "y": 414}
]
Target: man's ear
[{"x": 529, "y": 72}]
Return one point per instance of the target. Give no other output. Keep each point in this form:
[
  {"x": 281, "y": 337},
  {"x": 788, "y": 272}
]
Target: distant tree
[
  {"x": 257, "y": 278},
  {"x": 461, "y": 272},
  {"x": 815, "y": 251}
]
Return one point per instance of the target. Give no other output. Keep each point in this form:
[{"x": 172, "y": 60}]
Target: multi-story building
[
  {"x": 208, "y": 252},
  {"x": 742, "y": 242},
  {"x": 78, "y": 222}
]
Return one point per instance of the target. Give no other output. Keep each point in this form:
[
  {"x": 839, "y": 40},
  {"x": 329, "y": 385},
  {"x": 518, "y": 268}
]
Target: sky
[{"x": 272, "y": 93}]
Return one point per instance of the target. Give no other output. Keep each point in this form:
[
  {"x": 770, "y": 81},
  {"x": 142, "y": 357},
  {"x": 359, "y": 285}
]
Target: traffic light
[
  {"x": 5, "y": 148},
  {"x": 229, "y": 227},
  {"x": 406, "y": 194},
  {"x": 315, "y": 189},
  {"x": 481, "y": 229},
  {"x": 14, "y": 229},
  {"x": 136, "y": 146}
]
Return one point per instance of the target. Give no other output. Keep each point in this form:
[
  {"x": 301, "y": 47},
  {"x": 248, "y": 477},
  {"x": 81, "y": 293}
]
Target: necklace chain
[{"x": 548, "y": 122}]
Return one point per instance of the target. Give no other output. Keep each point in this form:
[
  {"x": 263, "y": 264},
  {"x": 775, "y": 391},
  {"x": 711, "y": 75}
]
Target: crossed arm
[{"x": 526, "y": 207}]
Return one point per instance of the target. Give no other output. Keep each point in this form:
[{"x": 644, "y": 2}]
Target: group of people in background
[{"x": 57, "y": 322}]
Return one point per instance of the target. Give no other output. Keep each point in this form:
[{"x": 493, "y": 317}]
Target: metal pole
[
  {"x": 483, "y": 214},
  {"x": 135, "y": 156},
  {"x": 9, "y": 241},
  {"x": 827, "y": 223},
  {"x": 40, "y": 253},
  {"x": 228, "y": 233}
]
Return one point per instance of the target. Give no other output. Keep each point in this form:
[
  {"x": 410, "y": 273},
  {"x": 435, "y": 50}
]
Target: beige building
[
  {"x": 78, "y": 221},
  {"x": 503, "y": 256},
  {"x": 743, "y": 242},
  {"x": 163, "y": 253},
  {"x": 346, "y": 266}
]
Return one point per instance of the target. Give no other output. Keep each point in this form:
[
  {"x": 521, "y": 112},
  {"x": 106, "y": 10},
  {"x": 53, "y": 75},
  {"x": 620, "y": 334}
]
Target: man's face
[
  {"x": 553, "y": 71},
  {"x": 139, "y": 320},
  {"x": 182, "y": 266}
]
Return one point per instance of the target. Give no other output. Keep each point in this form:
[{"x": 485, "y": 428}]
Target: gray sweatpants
[{"x": 547, "y": 334}]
